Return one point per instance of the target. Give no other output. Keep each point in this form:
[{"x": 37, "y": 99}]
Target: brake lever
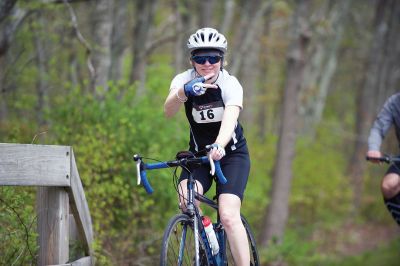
[
  {"x": 138, "y": 161},
  {"x": 212, "y": 165}
]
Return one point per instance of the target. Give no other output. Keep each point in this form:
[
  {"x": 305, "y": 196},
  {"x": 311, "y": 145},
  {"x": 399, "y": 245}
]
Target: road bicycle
[{"x": 185, "y": 241}]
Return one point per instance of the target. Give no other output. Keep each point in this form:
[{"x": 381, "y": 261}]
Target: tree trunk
[
  {"x": 381, "y": 66},
  {"x": 145, "y": 13},
  {"x": 278, "y": 210},
  {"x": 102, "y": 31},
  {"x": 246, "y": 61},
  {"x": 388, "y": 83},
  {"x": 261, "y": 95},
  {"x": 229, "y": 11},
  {"x": 249, "y": 78},
  {"x": 207, "y": 8},
  {"x": 182, "y": 32},
  {"x": 118, "y": 39},
  {"x": 10, "y": 20},
  {"x": 5, "y": 8},
  {"x": 41, "y": 82}
]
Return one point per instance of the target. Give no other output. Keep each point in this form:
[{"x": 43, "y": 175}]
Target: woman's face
[{"x": 206, "y": 63}]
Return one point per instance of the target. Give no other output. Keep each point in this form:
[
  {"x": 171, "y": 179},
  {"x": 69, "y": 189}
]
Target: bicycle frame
[{"x": 191, "y": 208}]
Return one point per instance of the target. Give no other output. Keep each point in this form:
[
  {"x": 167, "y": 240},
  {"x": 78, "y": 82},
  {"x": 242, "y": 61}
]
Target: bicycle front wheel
[{"x": 178, "y": 246}]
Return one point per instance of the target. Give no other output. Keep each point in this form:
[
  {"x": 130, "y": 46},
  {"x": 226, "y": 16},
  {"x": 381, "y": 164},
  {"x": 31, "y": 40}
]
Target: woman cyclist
[{"x": 213, "y": 100}]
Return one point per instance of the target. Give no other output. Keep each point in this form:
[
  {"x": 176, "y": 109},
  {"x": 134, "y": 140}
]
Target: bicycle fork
[
  {"x": 182, "y": 244},
  {"x": 192, "y": 212}
]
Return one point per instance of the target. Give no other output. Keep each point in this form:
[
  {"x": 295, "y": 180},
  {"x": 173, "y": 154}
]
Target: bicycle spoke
[{"x": 179, "y": 243}]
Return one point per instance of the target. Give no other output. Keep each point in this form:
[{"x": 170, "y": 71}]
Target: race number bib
[{"x": 208, "y": 113}]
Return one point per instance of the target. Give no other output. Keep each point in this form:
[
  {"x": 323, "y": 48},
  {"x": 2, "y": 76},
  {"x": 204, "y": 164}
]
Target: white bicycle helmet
[{"x": 207, "y": 38}]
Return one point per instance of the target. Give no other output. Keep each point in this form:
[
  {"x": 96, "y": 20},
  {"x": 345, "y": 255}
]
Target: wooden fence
[{"x": 60, "y": 192}]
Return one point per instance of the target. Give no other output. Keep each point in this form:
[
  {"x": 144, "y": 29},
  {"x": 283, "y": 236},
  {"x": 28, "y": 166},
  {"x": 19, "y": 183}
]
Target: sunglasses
[{"x": 201, "y": 59}]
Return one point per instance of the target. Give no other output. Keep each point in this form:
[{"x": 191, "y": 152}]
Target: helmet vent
[{"x": 202, "y": 36}]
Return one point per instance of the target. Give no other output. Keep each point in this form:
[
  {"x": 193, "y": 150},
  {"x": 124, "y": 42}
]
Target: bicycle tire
[
  {"x": 254, "y": 259},
  {"x": 180, "y": 228}
]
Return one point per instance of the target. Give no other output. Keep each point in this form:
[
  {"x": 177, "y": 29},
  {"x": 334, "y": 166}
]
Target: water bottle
[{"x": 212, "y": 238}]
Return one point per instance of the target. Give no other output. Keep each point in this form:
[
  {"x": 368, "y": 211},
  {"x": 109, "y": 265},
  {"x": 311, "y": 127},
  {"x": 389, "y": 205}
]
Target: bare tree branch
[
  {"x": 83, "y": 41},
  {"x": 161, "y": 41}
]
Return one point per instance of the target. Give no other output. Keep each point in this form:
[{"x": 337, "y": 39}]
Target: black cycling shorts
[{"x": 236, "y": 168}]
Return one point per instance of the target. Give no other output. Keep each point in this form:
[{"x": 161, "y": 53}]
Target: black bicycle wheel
[
  {"x": 254, "y": 259},
  {"x": 178, "y": 246}
]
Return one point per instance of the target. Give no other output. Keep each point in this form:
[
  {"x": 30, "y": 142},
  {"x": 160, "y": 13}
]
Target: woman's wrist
[{"x": 179, "y": 98}]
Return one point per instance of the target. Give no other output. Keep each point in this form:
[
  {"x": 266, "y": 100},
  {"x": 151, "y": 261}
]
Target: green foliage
[
  {"x": 105, "y": 134},
  {"x": 18, "y": 244},
  {"x": 320, "y": 191},
  {"x": 262, "y": 155}
]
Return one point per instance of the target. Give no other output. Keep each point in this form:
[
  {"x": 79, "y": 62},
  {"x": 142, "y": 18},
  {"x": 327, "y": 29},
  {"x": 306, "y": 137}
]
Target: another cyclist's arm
[{"x": 379, "y": 130}]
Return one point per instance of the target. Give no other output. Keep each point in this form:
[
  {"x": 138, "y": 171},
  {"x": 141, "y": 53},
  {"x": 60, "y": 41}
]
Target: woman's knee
[
  {"x": 229, "y": 211},
  {"x": 229, "y": 218}
]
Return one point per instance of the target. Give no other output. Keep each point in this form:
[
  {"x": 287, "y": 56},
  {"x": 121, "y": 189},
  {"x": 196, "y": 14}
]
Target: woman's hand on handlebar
[{"x": 216, "y": 152}]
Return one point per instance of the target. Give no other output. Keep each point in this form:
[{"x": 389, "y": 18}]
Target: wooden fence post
[
  {"x": 53, "y": 170},
  {"x": 53, "y": 223}
]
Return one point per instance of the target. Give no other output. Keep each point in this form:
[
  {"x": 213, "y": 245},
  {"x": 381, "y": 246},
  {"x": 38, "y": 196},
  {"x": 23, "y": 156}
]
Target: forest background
[{"x": 94, "y": 75}]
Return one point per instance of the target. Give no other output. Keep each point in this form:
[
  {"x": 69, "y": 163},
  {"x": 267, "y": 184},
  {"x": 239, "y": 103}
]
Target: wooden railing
[{"x": 60, "y": 192}]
